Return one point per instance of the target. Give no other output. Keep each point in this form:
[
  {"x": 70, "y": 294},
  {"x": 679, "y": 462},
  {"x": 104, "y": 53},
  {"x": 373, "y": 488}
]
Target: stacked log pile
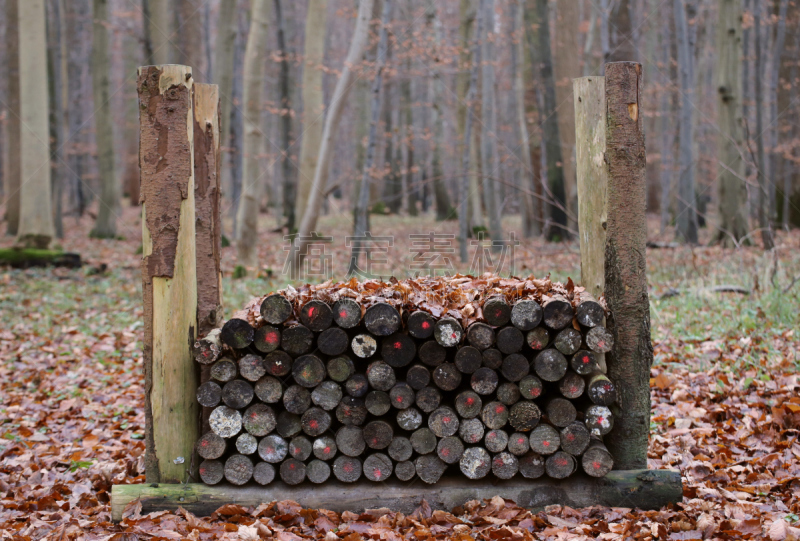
[{"x": 475, "y": 376}]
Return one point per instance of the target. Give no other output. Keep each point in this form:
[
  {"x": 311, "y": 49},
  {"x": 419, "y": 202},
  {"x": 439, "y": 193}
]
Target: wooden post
[
  {"x": 590, "y": 148},
  {"x": 208, "y": 219},
  {"x": 169, "y": 276},
  {"x": 207, "y": 206},
  {"x": 625, "y": 268}
]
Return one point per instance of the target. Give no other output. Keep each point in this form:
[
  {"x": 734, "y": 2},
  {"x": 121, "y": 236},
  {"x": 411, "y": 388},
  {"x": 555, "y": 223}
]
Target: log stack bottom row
[{"x": 312, "y": 391}]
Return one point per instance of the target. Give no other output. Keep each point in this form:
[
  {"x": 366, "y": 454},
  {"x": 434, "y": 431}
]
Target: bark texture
[
  {"x": 13, "y": 171},
  {"x": 625, "y": 268}
]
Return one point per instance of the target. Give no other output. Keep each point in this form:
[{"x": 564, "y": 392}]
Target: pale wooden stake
[
  {"x": 590, "y": 147},
  {"x": 168, "y": 269}
]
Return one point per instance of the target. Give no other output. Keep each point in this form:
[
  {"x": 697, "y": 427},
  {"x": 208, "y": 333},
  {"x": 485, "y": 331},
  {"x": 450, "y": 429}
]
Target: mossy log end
[
  {"x": 644, "y": 489},
  {"x": 25, "y": 258}
]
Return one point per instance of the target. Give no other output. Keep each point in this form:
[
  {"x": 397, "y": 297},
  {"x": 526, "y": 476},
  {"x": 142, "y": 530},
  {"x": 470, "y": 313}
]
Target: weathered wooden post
[
  {"x": 207, "y": 212},
  {"x": 612, "y": 199},
  {"x": 169, "y": 279}
]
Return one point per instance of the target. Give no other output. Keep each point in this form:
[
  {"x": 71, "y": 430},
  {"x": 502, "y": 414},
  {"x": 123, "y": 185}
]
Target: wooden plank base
[{"x": 645, "y": 489}]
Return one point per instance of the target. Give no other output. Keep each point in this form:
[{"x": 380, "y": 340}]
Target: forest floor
[{"x": 725, "y": 388}]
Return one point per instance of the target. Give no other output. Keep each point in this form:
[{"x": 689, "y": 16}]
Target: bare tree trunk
[
  {"x": 623, "y": 48},
  {"x": 36, "y": 218},
  {"x": 287, "y": 171},
  {"x": 223, "y": 75},
  {"x": 557, "y": 226},
  {"x": 774, "y": 155},
  {"x": 686, "y": 229},
  {"x": 79, "y": 28},
  {"x": 465, "y": 187},
  {"x": 489, "y": 157},
  {"x": 334, "y": 115},
  {"x": 237, "y": 119},
  {"x": 106, "y": 225},
  {"x": 247, "y": 216},
  {"x": 763, "y": 182},
  {"x": 666, "y": 128},
  {"x": 160, "y": 31},
  {"x": 57, "y": 51},
  {"x": 409, "y": 189},
  {"x": 313, "y": 101},
  {"x": 605, "y": 39},
  {"x": 13, "y": 171},
  {"x": 530, "y": 225},
  {"x": 190, "y": 49},
  {"x": 566, "y": 66},
  {"x": 362, "y": 211},
  {"x": 732, "y": 189},
  {"x": 444, "y": 209}
]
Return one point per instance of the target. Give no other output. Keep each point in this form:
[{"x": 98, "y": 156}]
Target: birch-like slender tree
[
  {"x": 686, "y": 218},
  {"x": 332, "y": 119},
  {"x": 36, "y": 229},
  {"x": 489, "y": 156},
  {"x": 732, "y": 189},
  {"x": 247, "y": 216},
  {"x": 362, "y": 210},
  {"x": 313, "y": 101},
  {"x": 106, "y": 224},
  {"x": 13, "y": 170}
]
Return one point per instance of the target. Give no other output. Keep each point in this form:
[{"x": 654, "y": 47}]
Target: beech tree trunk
[
  {"x": 13, "y": 171},
  {"x": 247, "y": 215},
  {"x": 465, "y": 187},
  {"x": 287, "y": 171},
  {"x": 79, "y": 28},
  {"x": 362, "y": 210},
  {"x": 774, "y": 154},
  {"x": 444, "y": 208},
  {"x": 160, "y": 31},
  {"x": 313, "y": 101},
  {"x": 666, "y": 125},
  {"x": 555, "y": 193},
  {"x": 489, "y": 157},
  {"x": 566, "y": 66},
  {"x": 332, "y": 118},
  {"x": 732, "y": 188},
  {"x": 36, "y": 229},
  {"x": 686, "y": 226},
  {"x": 761, "y": 167},
  {"x": 57, "y": 54},
  {"x": 625, "y": 273},
  {"x": 530, "y": 222},
  {"x": 223, "y": 75},
  {"x": 623, "y": 48},
  {"x": 190, "y": 49},
  {"x": 105, "y": 226}
]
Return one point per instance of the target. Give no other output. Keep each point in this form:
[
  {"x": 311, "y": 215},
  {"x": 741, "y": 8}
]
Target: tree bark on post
[
  {"x": 247, "y": 215},
  {"x": 13, "y": 172},
  {"x": 625, "y": 267},
  {"x": 732, "y": 188},
  {"x": 105, "y": 226},
  {"x": 36, "y": 228},
  {"x": 169, "y": 281}
]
